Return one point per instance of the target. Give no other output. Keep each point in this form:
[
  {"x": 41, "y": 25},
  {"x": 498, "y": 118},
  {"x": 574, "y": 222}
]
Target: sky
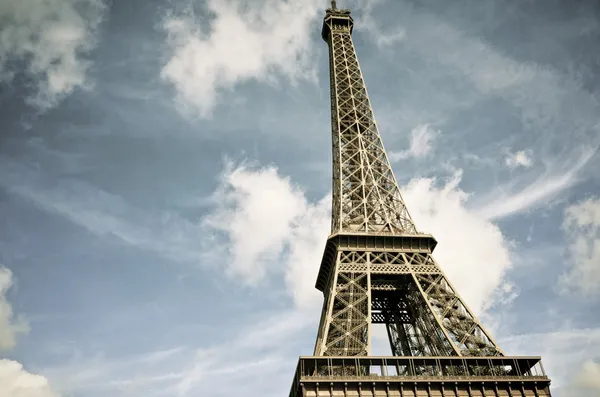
[{"x": 165, "y": 180}]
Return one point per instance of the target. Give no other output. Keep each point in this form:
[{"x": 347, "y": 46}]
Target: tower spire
[{"x": 378, "y": 269}]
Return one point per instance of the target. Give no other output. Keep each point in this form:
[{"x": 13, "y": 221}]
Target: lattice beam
[{"x": 366, "y": 197}]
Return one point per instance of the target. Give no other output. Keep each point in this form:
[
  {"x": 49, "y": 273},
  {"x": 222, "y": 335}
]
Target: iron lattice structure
[{"x": 378, "y": 269}]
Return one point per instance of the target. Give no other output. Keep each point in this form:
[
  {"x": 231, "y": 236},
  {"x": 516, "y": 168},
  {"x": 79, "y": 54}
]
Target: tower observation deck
[{"x": 378, "y": 269}]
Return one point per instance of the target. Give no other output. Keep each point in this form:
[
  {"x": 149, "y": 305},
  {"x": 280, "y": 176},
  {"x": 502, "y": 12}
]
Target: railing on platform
[{"x": 319, "y": 369}]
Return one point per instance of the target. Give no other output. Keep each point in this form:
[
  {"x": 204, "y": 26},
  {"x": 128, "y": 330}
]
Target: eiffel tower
[{"x": 378, "y": 269}]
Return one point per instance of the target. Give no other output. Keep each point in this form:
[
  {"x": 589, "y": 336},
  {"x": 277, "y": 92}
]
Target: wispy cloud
[
  {"x": 14, "y": 379},
  {"x": 382, "y": 37},
  {"x": 539, "y": 92},
  {"x": 258, "y": 353},
  {"x": 421, "y": 143},
  {"x": 105, "y": 214},
  {"x": 265, "y": 351},
  {"x": 582, "y": 228},
  {"x": 147, "y": 370},
  {"x": 518, "y": 159},
  {"x": 500, "y": 203},
  {"x": 564, "y": 352},
  {"x": 256, "y": 222},
  {"x": 555, "y": 113},
  {"x": 51, "y": 39},
  {"x": 10, "y": 327}
]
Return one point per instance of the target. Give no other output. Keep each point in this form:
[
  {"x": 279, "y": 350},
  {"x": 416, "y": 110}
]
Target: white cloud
[
  {"x": 269, "y": 225},
  {"x": 257, "y": 222},
  {"x": 499, "y": 203},
  {"x": 556, "y": 113},
  {"x": 306, "y": 251},
  {"x": 17, "y": 382},
  {"x": 9, "y": 326},
  {"x": 544, "y": 96},
  {"x": 518, "y": 159},
  {"x": 582, "y": 228},
  {"x": 256, "y": 209},
  {"x": 260, "y": 42},
  {"x": 472, "y": 250},
  {"x": 128, "y": 374},
  {"x": 422, "y": 137},
  {"x": 50, "y": 38},
  {"x": 563, "y": 353},
  {"x": 589, "y": 377},
  {"x": 265, "y": 348},
  {"x": 105, "y": 214},
  {"x": 265, "y": 351},
  {"x": 14, "y": 380},
  {"x": 368, "y": 24}
]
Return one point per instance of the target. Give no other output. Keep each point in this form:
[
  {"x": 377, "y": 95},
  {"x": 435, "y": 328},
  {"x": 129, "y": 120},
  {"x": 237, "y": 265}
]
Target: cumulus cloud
[
  {"x": 518, "y": 159},
  {"x": 269, "y": 225},
  {"x": 256, "y": 210},
  {"x": 472, "y": 250},
  {"x": 14, "y": 380},
  {"x": 589, "y": 377},
  {"x": 265, "y": 349},
  {"x": 422, "y": 137},
  {"x": 9, "y": 326},
  {"x": 241, "y": 43},
  {"x": 17, "y": 382},
  {"x": 47, "y": 42},
  {"x": 306, "y": 251},
  {"x": 582, "y": 228}
]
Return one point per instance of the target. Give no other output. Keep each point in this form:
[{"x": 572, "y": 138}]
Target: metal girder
[
  {"x": 409, "y": 293},
  {"x": 367, "y": 279},
  {"x": 366, "y": 197}
]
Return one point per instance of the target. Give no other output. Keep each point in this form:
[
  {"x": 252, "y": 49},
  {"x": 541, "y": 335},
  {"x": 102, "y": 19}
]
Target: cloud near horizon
[
  {"x": 15, "y": 381},
  {"x": 10, "y": 327},
  {"x": 581, "y": 226}
]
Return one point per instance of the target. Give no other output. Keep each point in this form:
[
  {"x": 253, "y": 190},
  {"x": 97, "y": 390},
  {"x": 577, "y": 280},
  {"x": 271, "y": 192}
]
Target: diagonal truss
[
  {"x": 398, "y": 284},
  {"x": 366, "y": 197},
  {"x": 409, "y": 293}
]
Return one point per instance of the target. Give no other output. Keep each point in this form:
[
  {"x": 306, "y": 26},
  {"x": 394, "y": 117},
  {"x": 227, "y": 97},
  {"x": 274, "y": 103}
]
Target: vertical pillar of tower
[{"x": 346, "y": 317}]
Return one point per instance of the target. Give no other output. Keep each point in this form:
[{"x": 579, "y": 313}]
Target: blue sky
[{"x": 165, "y": 176}]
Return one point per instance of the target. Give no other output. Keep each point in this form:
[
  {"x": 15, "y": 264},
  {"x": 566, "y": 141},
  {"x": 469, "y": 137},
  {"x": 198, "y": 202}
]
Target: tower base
[{"x": 420, "y": 377}]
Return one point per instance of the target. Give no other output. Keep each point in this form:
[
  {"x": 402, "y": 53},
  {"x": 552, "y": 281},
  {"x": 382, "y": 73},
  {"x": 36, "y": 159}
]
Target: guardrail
[{"x": 402, "y": 369}]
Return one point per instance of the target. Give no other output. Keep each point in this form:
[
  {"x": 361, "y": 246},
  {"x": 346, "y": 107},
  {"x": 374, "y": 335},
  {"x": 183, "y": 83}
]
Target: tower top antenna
[{"x": 333, "y": 5}]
